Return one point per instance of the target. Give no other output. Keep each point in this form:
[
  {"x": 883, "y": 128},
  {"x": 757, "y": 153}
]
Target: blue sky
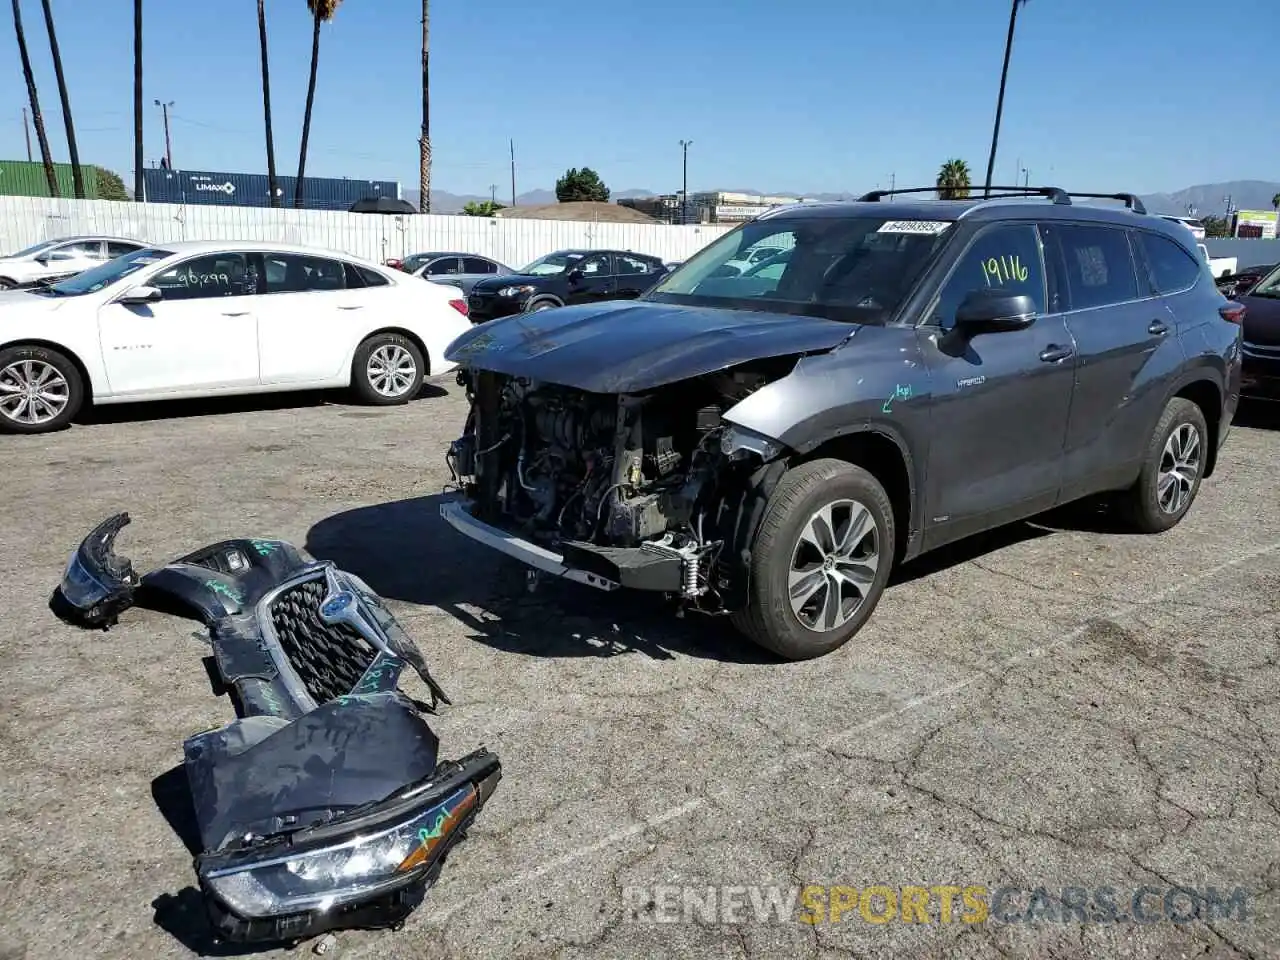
[{"x": 808, "y": 95}]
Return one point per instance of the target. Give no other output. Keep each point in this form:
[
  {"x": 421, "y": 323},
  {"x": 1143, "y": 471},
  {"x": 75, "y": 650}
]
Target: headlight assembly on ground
[{"x": 338, "y": 874}]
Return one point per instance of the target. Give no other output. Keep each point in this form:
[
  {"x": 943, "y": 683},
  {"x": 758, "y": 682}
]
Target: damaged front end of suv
[{"x": 324, "y": 804}]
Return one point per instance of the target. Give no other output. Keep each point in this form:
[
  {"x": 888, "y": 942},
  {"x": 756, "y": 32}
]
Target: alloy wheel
[
  {"x": 391, "y": 370},
  {"x": 33, "y": 392},
  {"x": 833, "y": 565},
  {"x": 1179, "y": 468}
]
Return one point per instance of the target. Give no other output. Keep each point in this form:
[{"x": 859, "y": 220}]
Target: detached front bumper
[{"x": 648, "y": 567}]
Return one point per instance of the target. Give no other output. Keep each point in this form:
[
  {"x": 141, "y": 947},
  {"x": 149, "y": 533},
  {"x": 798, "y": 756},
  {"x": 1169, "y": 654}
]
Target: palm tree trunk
[
  {"x": 77, "y": 175},
  {"x": 37, "y": 117},
  {"x": 306, "y": 117},
  {"x": 424, "y": 162},
  {"x": 138, "y": 190},
  {"x": 266, "y": 106}
]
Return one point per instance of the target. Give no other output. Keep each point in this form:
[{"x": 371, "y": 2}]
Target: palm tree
[
  {"x": 37, "y": 118},
  {"x": 424, "y": 157},
  {"x": 953, "y": 180},
  {"x": 138, "y": 190},
  {"x": 77, "y": 175},
  {"x": 1275, "y": 203},
  {"x": 266, "y": 106},
  {"x": 322, "y": 11}
]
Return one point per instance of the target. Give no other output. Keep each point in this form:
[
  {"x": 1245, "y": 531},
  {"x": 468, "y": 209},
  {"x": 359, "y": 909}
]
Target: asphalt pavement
[{"x": 1052, "y": 741}]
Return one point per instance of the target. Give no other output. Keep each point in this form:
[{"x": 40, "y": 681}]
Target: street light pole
[
  {"x": 684, "y": 194},
  {"x": 1004, "y": 76},
  {"x": 168, "y": 147}
]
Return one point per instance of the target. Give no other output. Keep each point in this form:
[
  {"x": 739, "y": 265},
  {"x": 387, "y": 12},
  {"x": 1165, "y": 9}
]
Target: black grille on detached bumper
[{"x": 329, "y": 658}]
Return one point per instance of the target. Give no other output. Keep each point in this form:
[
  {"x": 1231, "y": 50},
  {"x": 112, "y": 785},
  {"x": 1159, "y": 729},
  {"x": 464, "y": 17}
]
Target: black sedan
[{"x": 565, "y": 277}]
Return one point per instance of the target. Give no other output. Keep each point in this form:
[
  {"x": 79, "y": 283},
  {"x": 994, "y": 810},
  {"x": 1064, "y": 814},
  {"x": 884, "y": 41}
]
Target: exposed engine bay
[{"x": 617, "y": 483}]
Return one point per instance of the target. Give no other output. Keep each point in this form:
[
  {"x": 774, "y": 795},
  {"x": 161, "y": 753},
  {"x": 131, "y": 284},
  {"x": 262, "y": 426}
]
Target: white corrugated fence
[{"x": 28, "y": 220}]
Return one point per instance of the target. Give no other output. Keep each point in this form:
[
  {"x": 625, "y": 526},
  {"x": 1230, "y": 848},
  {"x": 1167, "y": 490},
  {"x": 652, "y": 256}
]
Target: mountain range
[{"x": 1205, "y": 199}]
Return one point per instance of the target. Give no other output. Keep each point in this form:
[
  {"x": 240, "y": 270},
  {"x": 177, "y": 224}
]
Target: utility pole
[
  {"x": 513, "y": 173},
  {"x": 1004, "y": 76},
  {"x": 26, "y": 132},
  {"x": 493, "y": 194},
  {"x": 168, "y": 147},
  {"x": 424, "y": 144},
  {"x": 684, "y": 194},
  {"x": 893, "y": 182}
]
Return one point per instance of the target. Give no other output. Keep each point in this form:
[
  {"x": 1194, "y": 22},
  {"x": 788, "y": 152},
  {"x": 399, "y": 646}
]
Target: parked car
[
  {"x": 1242, "y": 280},
  {"x": 770, "y": 447},
  {"x": 746, "y": 260},
  {"x": 1261, "y": 375},
  {"x": 204, "y": 318},
  {"x": 461, "y": 270},
  {"x": 61, "y": 258},
  {"x": 1220, "y": 267},
  {"x": 565, "y": 277}
]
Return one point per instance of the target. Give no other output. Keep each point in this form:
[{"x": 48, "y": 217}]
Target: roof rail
[
  {"x": 1056, "y": 194},
  {"x": 1131, "y": 200}
]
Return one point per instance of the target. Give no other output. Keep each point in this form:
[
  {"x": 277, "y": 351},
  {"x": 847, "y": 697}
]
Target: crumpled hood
[{"x": 631, "y": 345}]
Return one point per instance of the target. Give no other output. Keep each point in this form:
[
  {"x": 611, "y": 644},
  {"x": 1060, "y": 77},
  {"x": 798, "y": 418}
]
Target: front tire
[
  {"x": 820, "y": 561},
  {"x": 538, "y": 305},
  {"x": 388, "y": 369},
  {"x": 40, "y": 390},
  {"x": 1171, "y": 470}
]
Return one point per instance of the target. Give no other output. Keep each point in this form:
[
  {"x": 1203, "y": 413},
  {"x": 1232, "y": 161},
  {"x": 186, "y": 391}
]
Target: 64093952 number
[{"x": 1004, "y": 269}]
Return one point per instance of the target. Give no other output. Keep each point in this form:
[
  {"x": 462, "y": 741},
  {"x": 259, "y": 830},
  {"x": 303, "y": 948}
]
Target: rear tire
[
  {"x": 40, "y": 390},
  {"x": 1171, "y": 470},
  {"x": 837, "y": 583},
  {"x": 388, "y": 369}
]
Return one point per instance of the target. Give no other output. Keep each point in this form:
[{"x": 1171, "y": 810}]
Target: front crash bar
[{"x": 456, "y": 514}]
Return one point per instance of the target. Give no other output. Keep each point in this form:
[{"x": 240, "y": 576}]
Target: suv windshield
[
  {"x": 853, "y": 269},
  {"x": 97, "y": 278},
  {"x": 552, "y": 263}
]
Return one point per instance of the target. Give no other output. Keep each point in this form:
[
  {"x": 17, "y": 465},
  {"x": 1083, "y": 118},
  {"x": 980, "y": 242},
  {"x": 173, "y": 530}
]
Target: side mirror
[
  {"x": 140, "y": 295},
  {"x": 993, "y": 310}
]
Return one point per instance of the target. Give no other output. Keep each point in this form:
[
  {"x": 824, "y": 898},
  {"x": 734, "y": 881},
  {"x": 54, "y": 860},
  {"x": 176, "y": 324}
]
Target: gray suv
[{"x": 769, "y": 445}]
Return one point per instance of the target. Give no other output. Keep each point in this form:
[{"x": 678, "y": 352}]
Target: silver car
[{"x": 462, "y": 270}]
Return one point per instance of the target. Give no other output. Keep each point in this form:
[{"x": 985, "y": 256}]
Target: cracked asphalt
[{"x": 1055, "y": 705}]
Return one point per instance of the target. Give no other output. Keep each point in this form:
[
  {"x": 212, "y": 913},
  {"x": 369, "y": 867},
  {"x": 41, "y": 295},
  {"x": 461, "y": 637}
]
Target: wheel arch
[
  {"x": 884, "y": 455},
  {"x": 1207, "y": 395},
  {"x": 545, "y": 297},
  {"x": 398, "y": 331},
  {"x": 85, "y": 378}
]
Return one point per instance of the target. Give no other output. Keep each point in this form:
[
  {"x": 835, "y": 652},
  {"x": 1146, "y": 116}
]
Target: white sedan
[{"x": 216, "y": 318}]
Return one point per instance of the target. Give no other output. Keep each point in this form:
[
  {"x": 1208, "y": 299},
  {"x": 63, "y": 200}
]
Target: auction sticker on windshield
[{"x": 914, "y": 226}]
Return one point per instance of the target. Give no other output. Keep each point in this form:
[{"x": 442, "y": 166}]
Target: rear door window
[
  {"x": 478, "y": 265},
  {"x": 443, "y": 267},
  {"x": 295, "y": 273},
  {"x": 1099, "y": 265}
]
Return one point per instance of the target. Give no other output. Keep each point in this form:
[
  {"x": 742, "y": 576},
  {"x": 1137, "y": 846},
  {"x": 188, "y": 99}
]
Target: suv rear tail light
[
  {"x": 461, "y": 306},
  {"x": 1232, "y": 312}
]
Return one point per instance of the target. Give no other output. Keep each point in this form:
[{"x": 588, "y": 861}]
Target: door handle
[
  {"x": 351, "y": 306},
  {"x": 1158, "y": 328},
  {"x": 1053, "y": 353},
  {"x": 235, "y": 313}
]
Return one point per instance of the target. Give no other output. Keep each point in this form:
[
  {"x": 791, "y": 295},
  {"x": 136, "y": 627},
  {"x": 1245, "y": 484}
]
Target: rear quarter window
[{"x": 1172, "y": 268}]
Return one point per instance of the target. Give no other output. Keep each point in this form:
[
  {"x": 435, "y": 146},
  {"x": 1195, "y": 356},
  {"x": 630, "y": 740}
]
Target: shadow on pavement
[
  {"x": 405, "y": 551},
  {"x": 182, "y": 915},
  {"x": 244, "y": 403},
  {"x": 1258, "y": 415}
]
